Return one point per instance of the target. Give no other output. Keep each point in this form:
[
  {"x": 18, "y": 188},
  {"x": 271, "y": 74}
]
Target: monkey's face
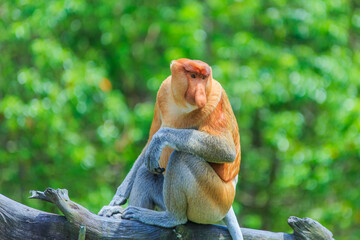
[
  {"x": 196, "y": 91},
  {"x": 192, "y": 79}
]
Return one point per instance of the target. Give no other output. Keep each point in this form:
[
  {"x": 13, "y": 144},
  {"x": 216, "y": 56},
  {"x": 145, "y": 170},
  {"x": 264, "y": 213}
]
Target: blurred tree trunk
[{"x": 18, "y": 221}]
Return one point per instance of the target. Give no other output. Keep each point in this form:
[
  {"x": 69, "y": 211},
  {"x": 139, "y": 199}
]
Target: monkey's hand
[
  {"x": 111, "y": 211},
  {"x": 113, "y": 207},
  {"x": 154, "y": 150}
]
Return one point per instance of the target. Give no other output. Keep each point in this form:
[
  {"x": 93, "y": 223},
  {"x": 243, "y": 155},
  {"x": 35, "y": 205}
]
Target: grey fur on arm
[{"x": 211, "y": 148}]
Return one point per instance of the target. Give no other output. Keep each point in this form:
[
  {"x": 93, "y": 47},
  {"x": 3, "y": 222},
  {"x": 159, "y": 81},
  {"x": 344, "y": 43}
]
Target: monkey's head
[{"x": 191, "y": 81}]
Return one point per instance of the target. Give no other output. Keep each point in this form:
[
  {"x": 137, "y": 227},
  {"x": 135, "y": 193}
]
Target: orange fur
[
  {"x": 216, "y": 117},
  {"x": 223, "y": 122},
  {"x": 195, "y": 66}
]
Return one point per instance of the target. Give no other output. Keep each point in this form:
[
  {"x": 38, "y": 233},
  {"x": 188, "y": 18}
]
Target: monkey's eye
[
  {"x": 203, "y": 77},
  {"x": 193, "y": 76}
]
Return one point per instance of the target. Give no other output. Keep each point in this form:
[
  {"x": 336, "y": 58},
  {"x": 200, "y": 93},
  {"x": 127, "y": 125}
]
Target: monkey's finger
[
  {"x": 103, "y": 211},
  {"x": 159, "y": 170},
  {"x": 100, "y": 213},
  {"x": 152, "y": 167},
  {"x": 127, "y": 214},
  {"x": 117, "y": 216},
  {"x": 116, "y": 212},
  {"x": 123, "y": 201},
  {"x": 108, "y": 213}
]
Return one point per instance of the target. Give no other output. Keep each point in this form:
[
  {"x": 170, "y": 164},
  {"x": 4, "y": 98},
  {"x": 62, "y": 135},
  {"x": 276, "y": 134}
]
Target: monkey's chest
[{"x": 173, "y": 117}]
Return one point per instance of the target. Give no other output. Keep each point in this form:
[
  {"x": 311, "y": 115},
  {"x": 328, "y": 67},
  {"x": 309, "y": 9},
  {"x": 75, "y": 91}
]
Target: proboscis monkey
[{"x": 194, "y": 137}]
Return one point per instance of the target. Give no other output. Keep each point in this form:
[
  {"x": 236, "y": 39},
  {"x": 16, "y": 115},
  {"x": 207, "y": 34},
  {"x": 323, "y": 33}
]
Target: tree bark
[{"x": 20, "y": 222}]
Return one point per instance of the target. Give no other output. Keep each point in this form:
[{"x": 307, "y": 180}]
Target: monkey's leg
[
  {"x": 123, "y": 191},
  {"x": 233, "y": 225},
  {"x": 163, "y": 219},
  {"x": 147, "y": 190},
  {"x": 192, "y": 190},
  {"x": 174, "y": 198}
]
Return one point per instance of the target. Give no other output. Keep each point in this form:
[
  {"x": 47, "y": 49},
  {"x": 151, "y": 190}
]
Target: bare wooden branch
[{"x": 20, "y": 222}]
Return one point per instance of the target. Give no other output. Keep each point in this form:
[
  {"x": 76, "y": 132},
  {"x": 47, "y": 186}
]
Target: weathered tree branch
[{"x": 18, "y": 221}]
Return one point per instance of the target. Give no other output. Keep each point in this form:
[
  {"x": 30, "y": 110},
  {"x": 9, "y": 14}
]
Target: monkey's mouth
[{"x": 197, "y": 99}]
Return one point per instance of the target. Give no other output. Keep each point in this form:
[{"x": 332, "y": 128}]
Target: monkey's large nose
[{"x": 200, "y": 96}]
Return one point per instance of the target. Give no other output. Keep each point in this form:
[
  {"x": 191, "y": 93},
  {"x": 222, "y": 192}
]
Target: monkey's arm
[{"x": 212, "y": 148}]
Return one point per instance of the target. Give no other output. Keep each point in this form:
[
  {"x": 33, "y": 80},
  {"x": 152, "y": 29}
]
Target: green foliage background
[{"x": 78, "y": 81}]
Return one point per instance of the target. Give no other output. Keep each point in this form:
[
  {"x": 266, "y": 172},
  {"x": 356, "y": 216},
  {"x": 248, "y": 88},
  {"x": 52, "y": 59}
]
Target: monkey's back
[{"x": 222, "y": 121}]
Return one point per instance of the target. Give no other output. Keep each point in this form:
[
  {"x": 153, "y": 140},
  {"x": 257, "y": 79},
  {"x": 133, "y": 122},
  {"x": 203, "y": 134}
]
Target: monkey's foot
[
  {"x": 132, "y": 213},
  {"x": 111, "y": 211},
  {"x": 151, "y": 217}
]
